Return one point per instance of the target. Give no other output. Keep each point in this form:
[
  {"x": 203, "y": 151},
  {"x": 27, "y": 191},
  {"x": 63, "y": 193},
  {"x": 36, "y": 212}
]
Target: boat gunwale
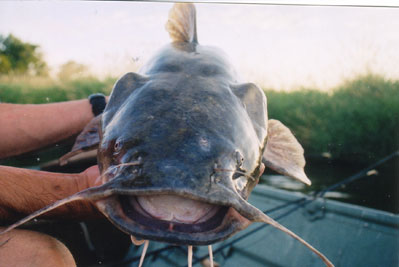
[{"x": 332, "y": 206}]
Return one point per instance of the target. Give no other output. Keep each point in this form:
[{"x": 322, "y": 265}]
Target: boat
[{"x": 349, "y": 235}]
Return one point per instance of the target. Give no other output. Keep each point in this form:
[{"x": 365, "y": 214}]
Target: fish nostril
[
  {"x": 239, "y": 158},
  {"x": 137, "y": 171},
  {"x": 236, "y": 175},
  {"x": 132, "y": 156},
  {"x": 117, "y": 146},
  {"x": 204, "y": 143}
]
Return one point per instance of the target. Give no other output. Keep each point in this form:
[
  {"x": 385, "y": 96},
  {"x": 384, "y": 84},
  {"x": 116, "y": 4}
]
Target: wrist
[{"x": 98, "y": 102}]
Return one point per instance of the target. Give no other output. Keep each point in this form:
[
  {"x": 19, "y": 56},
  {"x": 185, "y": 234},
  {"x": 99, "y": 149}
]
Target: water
[{"x": 379, "y": 190}]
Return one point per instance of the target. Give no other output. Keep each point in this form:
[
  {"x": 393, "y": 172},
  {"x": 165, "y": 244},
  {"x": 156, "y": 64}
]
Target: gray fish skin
[{"x": 185, "y": 119}]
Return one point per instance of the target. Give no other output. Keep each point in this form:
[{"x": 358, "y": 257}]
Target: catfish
[{"x": 181, "y": 144}]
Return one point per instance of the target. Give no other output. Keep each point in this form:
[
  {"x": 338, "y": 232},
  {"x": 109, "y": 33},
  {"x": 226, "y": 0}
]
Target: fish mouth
[
  {"x": 169, "y": 212},
  {"x": 172, "y": 218}
]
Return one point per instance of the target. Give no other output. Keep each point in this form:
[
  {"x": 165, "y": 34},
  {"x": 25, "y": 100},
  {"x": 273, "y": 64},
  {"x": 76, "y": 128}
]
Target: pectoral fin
[
  {"x": 283, "y": 153},
  {"x": 87, "y": 140}
]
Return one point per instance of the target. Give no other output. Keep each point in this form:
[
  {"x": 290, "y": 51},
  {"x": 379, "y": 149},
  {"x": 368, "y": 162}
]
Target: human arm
[
  {"x": 23, "y": 191},
  {"x": 26, "y": 127}
]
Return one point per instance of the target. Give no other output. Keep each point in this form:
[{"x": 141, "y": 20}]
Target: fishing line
[
  {"x": 357, "y": 176},
  {"x": 86, "y": 236}
]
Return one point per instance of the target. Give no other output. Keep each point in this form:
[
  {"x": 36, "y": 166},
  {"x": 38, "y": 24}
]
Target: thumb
[{"x": 93, "y": 176}]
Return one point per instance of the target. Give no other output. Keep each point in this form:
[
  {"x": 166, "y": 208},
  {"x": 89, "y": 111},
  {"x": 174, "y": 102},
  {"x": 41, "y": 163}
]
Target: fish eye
[{"x": 117, "y": 146}]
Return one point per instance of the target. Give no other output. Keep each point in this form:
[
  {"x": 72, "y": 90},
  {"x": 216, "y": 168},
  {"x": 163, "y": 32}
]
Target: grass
[
  {"x": 356, "y": 122},
  {"x": 38, "y": 90}
]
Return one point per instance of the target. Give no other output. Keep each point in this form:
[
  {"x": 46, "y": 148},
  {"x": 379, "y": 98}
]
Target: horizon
[{"x": 279, "y": 47}]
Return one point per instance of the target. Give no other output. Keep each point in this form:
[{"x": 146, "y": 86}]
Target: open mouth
[
  {"x": 173, "y": 213},
  {"x": 172, "y": 218}
]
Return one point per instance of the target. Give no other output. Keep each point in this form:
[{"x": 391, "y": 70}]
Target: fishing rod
[{"x": 357, "y": 176}]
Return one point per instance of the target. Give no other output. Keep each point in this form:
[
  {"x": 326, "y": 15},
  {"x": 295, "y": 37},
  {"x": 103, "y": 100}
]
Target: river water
[{"x": 379, "y": 189}]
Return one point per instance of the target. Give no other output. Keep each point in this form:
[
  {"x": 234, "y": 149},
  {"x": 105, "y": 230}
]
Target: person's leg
[{"x": 28, "y": 248}]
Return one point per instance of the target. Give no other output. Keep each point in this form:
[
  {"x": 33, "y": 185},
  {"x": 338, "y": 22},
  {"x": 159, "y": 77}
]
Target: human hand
[
  {"x": 81, "y": 209},
  {"x": 90, "y": 177},
  {"x": 23, "y": 191}
]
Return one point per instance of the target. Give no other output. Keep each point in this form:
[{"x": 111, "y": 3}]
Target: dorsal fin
[{"x": 181, "y": 25}]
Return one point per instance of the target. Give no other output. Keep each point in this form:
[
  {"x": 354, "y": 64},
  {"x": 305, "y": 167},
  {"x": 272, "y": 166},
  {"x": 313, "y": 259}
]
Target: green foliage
[
  {"x": 24, "y": 91},
  {"x": 357, "y": 122},
  {"x": 72, "y": 70},
  {"x": 18, "y": 57}
]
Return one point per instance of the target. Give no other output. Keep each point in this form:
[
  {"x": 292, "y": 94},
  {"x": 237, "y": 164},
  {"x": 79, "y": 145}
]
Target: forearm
[
  {"x": 23, "y": 191},
  {"x": 28, "y": 127}
]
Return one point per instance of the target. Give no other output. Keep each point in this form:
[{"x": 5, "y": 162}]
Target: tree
[
  {"x": 18, "y": 57},
  {"x": 72, "y": 70}
]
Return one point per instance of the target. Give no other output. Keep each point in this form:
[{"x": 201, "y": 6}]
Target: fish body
[{"x": 182, "y": 143}]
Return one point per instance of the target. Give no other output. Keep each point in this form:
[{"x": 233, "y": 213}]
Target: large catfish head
[{"x": 183, "y": 150}]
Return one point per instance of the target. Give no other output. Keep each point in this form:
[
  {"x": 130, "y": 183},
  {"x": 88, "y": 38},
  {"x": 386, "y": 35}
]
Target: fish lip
[
  {"x": 142, "y": 217},
  {"x": 222, "y": 225}
]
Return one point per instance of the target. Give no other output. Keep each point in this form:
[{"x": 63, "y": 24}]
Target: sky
[{"x": 280, "y": 47}]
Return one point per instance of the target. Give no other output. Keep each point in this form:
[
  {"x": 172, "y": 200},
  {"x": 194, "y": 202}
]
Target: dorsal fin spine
[{"x": 182, "y": 25}]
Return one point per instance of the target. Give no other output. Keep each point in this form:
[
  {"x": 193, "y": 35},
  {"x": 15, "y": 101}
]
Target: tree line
[{"x": 20, "y": 58}]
